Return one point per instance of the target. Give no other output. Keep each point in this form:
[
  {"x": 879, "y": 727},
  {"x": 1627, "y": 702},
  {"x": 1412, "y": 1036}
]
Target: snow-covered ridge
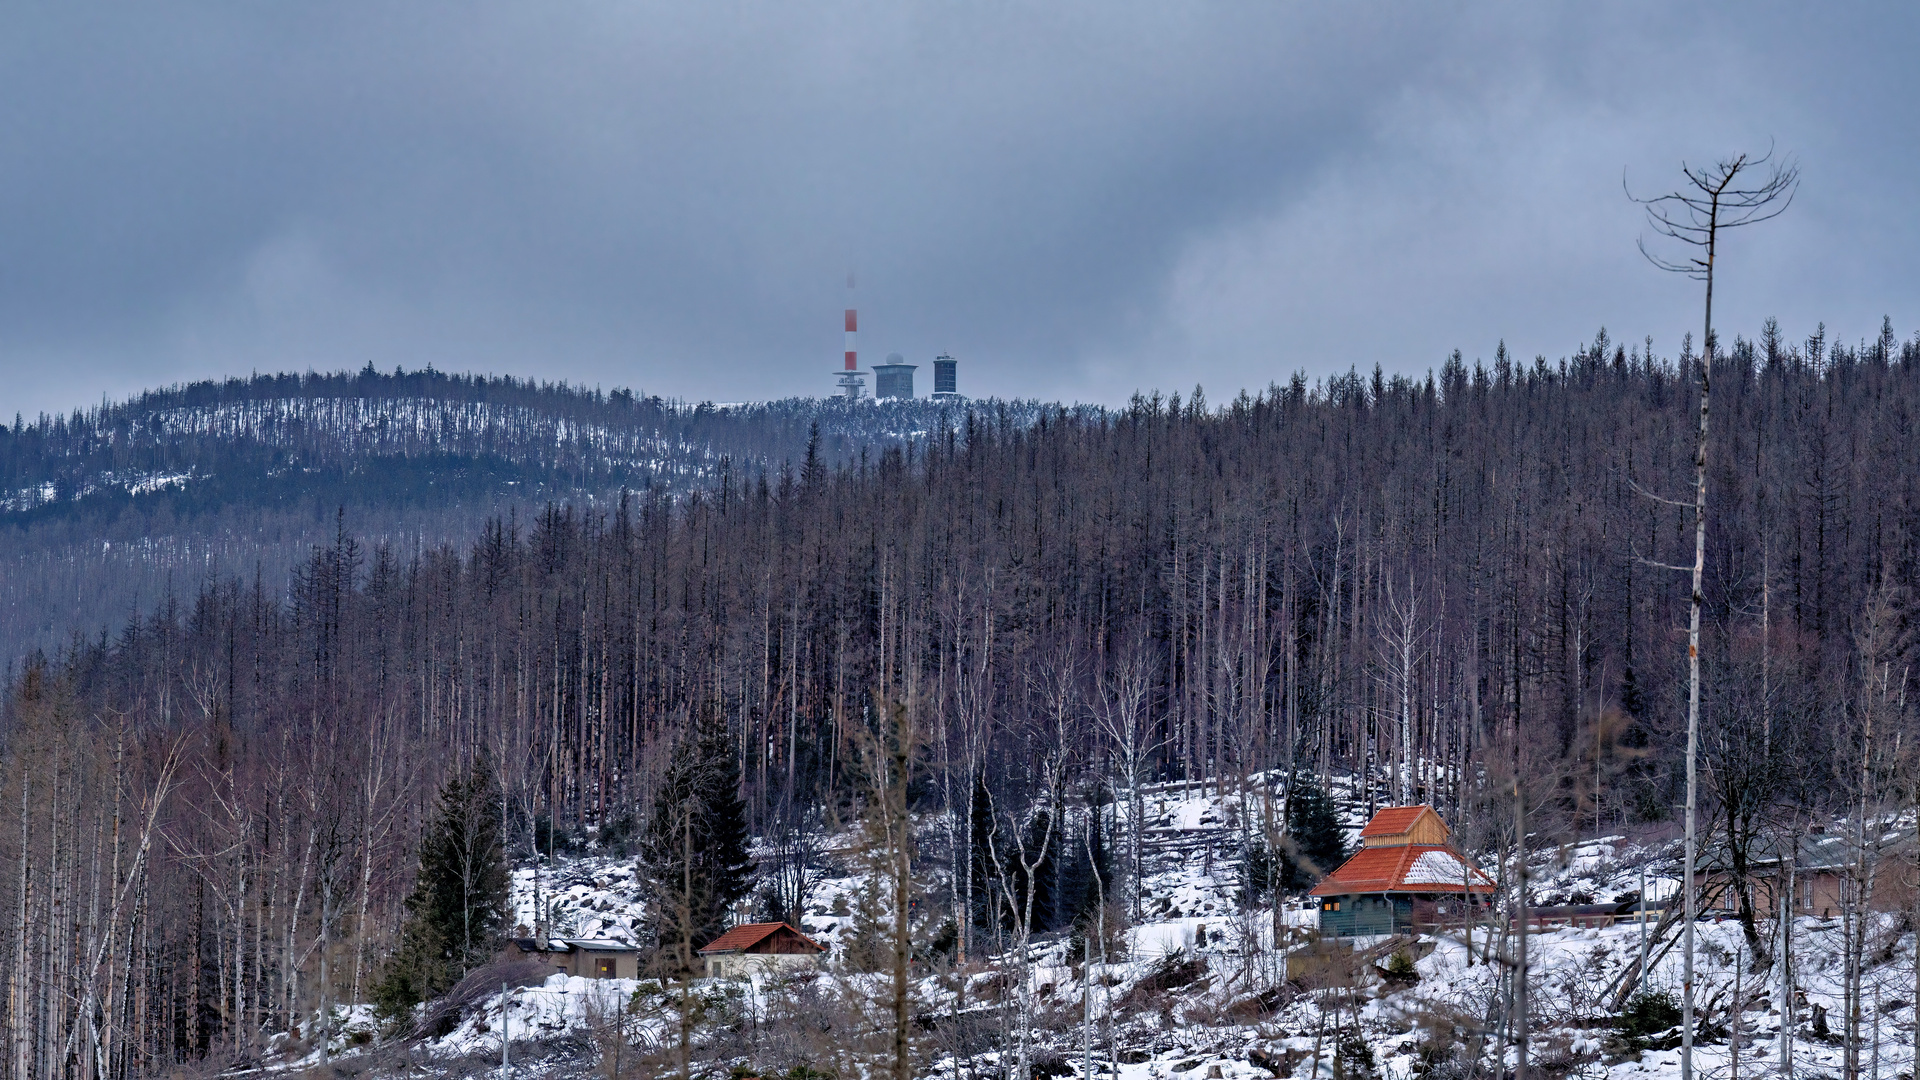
[
  {"x": 378, "y": 425},
  {"x": 589, "y": 442}
]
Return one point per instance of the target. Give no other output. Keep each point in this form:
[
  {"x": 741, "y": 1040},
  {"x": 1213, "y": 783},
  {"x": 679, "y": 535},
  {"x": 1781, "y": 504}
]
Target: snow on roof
[
  {"x": 600, "y": 944},
  {"x": 1425, "y": 868},
  {"x": 1440, "y": 867}
]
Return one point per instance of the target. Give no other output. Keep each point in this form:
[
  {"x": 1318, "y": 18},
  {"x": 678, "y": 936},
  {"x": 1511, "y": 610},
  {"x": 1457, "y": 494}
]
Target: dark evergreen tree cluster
[
  {"x": 1072, "y": 868},
  {"x": 1314, "y": 845},
  {"x": 694, "y": 857},
  {"x": 1310, "y": 845}
]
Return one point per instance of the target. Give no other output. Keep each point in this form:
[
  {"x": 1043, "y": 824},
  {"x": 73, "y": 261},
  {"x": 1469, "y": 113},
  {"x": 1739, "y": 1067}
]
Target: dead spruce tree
[{"x": 1715, "y": 198}]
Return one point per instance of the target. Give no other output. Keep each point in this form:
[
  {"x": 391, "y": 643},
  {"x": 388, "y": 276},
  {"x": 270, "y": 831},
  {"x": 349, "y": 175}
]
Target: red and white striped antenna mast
[{"x": 851, "y": 383}]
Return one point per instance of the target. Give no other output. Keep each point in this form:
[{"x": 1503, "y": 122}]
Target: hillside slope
[
  {"x": 107, "y": 511},
  {"x": 1197, "y": 983}
]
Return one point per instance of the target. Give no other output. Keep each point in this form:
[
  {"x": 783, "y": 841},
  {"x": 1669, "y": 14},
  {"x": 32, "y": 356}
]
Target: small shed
[
  {"x": 764, "y": 948},
  {"x": 589, "y": 958},
  {"x": 1405, "y": 876}
]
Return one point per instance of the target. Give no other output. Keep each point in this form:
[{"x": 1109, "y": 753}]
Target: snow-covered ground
[
  {"x": 1198, "y": 982},
  {"x": 592, "y": 897}
]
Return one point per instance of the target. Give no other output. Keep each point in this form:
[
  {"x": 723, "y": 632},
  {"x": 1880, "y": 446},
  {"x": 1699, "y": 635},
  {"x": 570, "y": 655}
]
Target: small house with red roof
[
  {"x": 1405, "y": 876},
  {"x": 763, "y": 948}
]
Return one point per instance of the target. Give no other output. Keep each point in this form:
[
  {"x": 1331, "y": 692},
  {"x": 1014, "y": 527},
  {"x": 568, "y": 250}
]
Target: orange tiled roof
[
  {"x": 747, "y": 935},
  {"x": 1394, "y": 820},
  {"x": 1416, "y": 868}
]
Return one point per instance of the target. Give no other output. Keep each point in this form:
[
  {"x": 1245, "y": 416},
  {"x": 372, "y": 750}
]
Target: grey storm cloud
[{"x": 1076, "y": 199}]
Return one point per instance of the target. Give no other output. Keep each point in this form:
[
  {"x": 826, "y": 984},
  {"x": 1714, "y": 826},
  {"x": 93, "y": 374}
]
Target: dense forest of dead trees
[
  {"x": 106, "y": 509},
  {"x": 213, "y": 813}
]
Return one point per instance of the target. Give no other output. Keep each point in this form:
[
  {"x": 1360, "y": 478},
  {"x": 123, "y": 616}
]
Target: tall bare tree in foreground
[
  {"x": 888, "y": 753},
  {"x": 1715, "y": 197}
]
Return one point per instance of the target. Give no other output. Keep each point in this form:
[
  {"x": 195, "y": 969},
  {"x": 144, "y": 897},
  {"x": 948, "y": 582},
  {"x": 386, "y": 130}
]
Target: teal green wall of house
[{"x": 1359, "y": 916}]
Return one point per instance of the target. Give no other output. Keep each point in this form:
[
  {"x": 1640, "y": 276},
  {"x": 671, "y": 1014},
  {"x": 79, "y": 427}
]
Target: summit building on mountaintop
[{"x": 1406, "y": 875}]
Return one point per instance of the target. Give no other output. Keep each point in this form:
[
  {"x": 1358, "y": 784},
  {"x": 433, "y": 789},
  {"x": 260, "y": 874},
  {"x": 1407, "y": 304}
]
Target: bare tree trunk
[
  {"x": 899, "y": 838},
  {"x": 18, "y": 1014},
  {"x": 1100, "y": 936},
  {"x": 1858, "y": 911},
  {"x": 684, "y": 1045},
  {"x": 1783, "y": 960},
  {"x": 1694, "y": 601},
  {"x": 1521, "y": 1032},
  {"x": 1695, "y": 219},
  {"x": 1402, "y": 635},
  {"x": 1734, "y": 1013},
  {"x": 1023, "y": 907}
]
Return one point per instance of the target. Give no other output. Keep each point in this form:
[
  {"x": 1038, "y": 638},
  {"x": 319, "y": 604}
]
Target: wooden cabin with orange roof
[{"x": 1405, "y": 877}]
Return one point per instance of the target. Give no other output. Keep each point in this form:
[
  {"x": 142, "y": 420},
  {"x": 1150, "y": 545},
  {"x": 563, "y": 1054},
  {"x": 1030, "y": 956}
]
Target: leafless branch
[
  {"x": 1644, "y": 492},
  {"x": 1715, "y": 199}
]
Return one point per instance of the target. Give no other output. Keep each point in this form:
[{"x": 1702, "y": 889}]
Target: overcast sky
[{"x": 1076, "y": 200}]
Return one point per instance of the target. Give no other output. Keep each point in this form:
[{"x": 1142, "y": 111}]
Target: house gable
[
  {"x": 777, "y": 939},
  {"x": 1395, "y": 826},
  {"x": 786, "y": 941},
  {"x": 759, "y": 947},
  {"x": 1410, "y": 868}
]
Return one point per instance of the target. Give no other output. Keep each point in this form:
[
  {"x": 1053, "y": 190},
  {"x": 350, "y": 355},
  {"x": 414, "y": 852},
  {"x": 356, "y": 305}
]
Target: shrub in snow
[
  {"x": 1353, "y": 1058},
  {"x": 1649, "y": 1020},
  {"x": 1400, "y": 969},
  {"x": 1173, "y": 971}
]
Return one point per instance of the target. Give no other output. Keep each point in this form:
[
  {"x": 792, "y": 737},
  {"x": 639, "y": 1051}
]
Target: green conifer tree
[
  {"x": 867, "y": 944},
  {"x": 1315, "y": 844},
  {"x": 693, "y": 855},
  {"x": 458, "y": 906}
]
